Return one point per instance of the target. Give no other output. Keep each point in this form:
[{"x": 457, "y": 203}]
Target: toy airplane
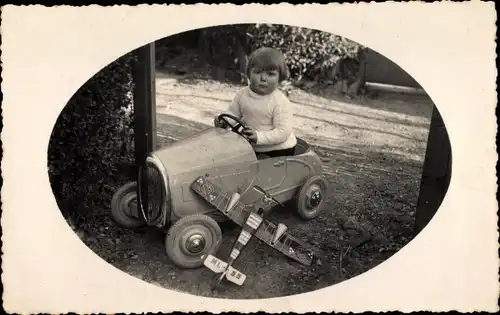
[{"x": 252, "y": 224}]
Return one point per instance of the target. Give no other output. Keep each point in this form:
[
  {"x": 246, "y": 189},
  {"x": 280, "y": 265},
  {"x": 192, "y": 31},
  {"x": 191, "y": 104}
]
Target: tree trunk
[
  {"x": 203, "y": 44},
  {"x": 359, "y": 83}
]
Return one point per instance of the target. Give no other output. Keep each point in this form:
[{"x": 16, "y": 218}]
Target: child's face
[{"x": 263, "y": 81}]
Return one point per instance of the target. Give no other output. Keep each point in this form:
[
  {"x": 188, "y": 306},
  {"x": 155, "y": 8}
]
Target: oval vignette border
[
  {"x": 299, "y": 303},
  {"x": 271, "y": 296}
]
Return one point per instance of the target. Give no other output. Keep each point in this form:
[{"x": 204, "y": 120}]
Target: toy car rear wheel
[
  {"x": 191, "y": 239},
  {"x": 123, "y": 199},
  {"x": 311, "y": 197}
]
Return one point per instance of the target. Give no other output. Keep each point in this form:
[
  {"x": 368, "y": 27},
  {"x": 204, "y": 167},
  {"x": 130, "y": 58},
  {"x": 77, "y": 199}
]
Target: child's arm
[
  {"x": 234, "y": 107},
  {"x": 283, "y": 122}
]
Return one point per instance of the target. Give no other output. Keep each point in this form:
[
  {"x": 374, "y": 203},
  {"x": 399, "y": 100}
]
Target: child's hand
[
  {"x": 219, "y": 123},
  {"x": 250, "y": 134}
]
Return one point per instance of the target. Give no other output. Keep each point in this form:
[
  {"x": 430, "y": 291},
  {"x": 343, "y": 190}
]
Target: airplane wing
[{"x": 286, "y": 244}]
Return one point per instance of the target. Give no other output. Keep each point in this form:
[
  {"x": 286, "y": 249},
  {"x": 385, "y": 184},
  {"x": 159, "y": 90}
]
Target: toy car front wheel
[
  {"x": 122, "y": 202},
  {"x": 311, "y": 197},
  {"x": 191, "y": 239}
]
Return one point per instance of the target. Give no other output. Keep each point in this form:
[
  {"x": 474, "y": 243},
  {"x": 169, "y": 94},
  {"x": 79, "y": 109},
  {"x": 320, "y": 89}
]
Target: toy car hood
[{"x": 205, "y": 151}]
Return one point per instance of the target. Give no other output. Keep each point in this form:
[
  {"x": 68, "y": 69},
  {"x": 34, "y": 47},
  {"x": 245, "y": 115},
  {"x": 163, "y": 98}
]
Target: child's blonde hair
[{"x": 267, "y": 58}]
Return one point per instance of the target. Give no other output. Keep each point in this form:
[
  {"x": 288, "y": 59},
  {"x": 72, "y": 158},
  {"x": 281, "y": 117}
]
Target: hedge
[
  {"x": 92, "y": 137},
  {"x": 311, "y": 54}
]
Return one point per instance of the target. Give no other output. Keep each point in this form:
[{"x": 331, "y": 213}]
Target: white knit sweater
[{"x": 270, "y": 115}]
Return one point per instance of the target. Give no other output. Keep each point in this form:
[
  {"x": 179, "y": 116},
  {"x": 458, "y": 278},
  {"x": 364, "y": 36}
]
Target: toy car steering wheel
[{"x": 234, "y": 128}]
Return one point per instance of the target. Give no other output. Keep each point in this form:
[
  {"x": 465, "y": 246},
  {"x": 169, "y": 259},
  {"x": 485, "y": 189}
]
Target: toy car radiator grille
[{"x": 152, "y": 193}]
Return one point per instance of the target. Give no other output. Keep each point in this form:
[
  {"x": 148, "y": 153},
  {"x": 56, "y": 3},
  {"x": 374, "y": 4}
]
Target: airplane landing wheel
[
  {"x": 191, "y": 239},
  {"x": 311, "y": 197}
]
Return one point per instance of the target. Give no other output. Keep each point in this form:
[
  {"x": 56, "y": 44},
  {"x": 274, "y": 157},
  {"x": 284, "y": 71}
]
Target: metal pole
[
  {"x": 144, "y": 108},
  {"x": 436, "y": 173},
  {"x": 144, "y": 102}
]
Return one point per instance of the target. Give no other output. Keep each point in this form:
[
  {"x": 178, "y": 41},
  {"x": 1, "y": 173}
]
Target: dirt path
[
  {"x": 373, "y": 156},
  {"x": 396, "y": 126}
]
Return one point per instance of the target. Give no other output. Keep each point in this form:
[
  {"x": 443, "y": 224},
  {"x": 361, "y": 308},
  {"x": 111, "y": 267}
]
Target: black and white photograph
[
  {"x": 249, "y": 161},
  {"x": 219, "y": 158}
]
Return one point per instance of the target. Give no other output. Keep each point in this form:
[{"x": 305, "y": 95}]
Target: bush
[
  {"x": 92, "y": 136},
  {"x": 311, "y": 54},
  {"x": 224, "y": 44}
]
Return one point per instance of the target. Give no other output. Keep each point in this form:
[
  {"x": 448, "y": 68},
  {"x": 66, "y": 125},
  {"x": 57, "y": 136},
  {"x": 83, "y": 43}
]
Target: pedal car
[{"x": 226, "y": 158}]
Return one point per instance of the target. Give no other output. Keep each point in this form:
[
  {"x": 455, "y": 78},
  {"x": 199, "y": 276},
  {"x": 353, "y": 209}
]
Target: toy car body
[{"x": 167, "y": 201}]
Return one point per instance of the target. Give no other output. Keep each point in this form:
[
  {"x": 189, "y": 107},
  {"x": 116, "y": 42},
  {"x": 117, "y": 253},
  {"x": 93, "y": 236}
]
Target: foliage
[
  {"x": 92, "y": 136},
  {"x": 310, "y": 53},
  {"x": 224, "y": 44}
]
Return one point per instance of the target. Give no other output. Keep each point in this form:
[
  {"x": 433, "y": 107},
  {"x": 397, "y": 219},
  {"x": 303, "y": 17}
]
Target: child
[{"x": 262, "y": 107}]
